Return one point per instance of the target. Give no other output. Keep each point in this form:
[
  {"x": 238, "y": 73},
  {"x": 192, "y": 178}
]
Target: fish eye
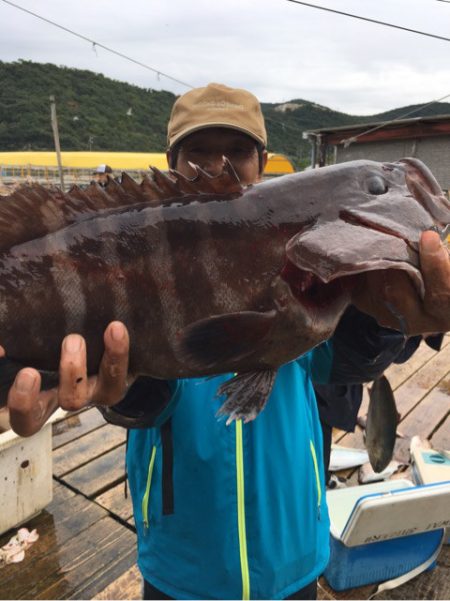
[{"x": 377, "y": 185}]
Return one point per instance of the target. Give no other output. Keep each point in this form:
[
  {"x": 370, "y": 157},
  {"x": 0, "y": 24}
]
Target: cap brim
[{"x": 190, "y": 130}]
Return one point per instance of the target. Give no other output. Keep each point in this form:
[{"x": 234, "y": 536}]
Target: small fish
[
  {"x": 367, "y": 474},
  {"x": 209, "y": 277},
  {"x": 381, "y": 427}
]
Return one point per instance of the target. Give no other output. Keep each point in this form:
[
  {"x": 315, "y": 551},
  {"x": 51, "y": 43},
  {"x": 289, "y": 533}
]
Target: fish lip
[{"x": 353, "y": 218}]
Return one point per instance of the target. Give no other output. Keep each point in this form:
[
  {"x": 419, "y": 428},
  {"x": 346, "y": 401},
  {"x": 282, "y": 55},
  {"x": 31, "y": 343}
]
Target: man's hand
[
  {"x": 391, "y": 298},
  {"x": 29, "y": 407}
]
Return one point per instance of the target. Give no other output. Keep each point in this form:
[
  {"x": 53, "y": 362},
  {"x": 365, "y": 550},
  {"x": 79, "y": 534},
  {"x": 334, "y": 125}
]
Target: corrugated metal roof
[{"x": 369, "y": 124}]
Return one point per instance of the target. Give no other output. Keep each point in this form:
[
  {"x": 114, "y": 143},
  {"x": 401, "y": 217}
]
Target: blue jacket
[
  {"x": 241, "y": 511},
  {"x": 249, "y": 515}
]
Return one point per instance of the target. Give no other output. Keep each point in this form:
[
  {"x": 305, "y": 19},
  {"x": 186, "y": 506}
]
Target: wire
[
  {"x": 284, "y": 125},
  {"x": 160, "y": 73},
  {"x": 339, "y": 12},
  {"x": 347, "y": 141},
  {"x": 98, "y": 45}
]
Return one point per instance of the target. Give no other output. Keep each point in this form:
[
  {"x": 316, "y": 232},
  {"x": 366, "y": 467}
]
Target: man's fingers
[
  {"x": 111, "y": 382},
  {"x": 73, "y": 384},
  {"x": 392, "y": 299},
  {"x": 435, "y": 268},
  {"x": 403, "y": 302},
  {"x": 28, "y": 408},
  {"x": 374, "y": 298}
]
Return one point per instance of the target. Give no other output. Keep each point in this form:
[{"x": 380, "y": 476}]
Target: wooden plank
[
  {"x": 403, "y": 372},
  {"x": 76, "y": 425},
  {"x": 114, "y": 501},
  {"x": 67, "y": 567},
  {"x": 100, "y": 474},
  {"x": 432, "y": 584},
  {"x": 61, "y": 494},
  {"x": 398, "y": 373},
  {"x": 57, "y": 527},
  {"x": 82, "y": 450},
  {"x": 127, "y": 586},
  {"x": 324, "y": 591},
  {"x": 103, "y": 577},
  {"x": 441, "y": 437},
  {"x": 431, "y": 411},
  {"x": 350, "y": 439},
  {"x": 416, "y": 388},
  {"x": 95, "y": 556}
]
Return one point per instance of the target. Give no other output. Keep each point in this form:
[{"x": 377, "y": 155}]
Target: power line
[
  {"x": 97, "y": 44},
  {"x": 347, "y": 141},
  {"x": 339, "y": 12},
  {"x": 284, "y": 125}
]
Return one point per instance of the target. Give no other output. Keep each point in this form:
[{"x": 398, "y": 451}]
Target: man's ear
[
  {"x": 264, "y": 157},
  {"x": 169, "y": 158}
]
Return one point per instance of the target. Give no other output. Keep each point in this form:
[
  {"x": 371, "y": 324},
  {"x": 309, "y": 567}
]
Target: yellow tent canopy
[{"x": 277, "y": 164}]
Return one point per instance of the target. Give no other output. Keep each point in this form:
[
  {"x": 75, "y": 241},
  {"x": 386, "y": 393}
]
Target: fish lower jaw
[{"x": 311, "y": 292}]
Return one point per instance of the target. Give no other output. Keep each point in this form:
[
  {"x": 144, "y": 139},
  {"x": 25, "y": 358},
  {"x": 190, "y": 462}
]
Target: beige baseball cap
[{"x": 216, "y": 105}]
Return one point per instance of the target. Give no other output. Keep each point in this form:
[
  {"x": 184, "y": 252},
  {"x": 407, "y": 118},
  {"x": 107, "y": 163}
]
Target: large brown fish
[{"x": 208, "y": 277}]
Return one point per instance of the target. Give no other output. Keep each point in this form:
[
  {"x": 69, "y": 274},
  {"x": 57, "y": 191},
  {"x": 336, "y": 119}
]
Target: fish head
[{"x": 371, "y": 219}]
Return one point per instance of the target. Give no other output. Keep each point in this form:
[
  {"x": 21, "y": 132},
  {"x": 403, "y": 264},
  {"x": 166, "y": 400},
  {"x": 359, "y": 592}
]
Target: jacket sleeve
[
  {"x": 148, "y": 403},
  {"x": 361, "y": 350}
]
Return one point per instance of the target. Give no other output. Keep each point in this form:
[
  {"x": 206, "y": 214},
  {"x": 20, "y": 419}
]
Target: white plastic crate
[{"x": 25, "y": 476}]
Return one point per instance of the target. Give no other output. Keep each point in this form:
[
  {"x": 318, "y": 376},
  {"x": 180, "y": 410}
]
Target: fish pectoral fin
[
  {"x": 247, "y": 395},
  {"x": 210, "y": 342}
]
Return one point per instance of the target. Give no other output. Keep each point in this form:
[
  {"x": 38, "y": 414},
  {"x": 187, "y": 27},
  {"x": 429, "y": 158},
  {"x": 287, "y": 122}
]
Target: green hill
[
  {"x": 98, "y": 113},
  {"x": 93, "y": 111}
]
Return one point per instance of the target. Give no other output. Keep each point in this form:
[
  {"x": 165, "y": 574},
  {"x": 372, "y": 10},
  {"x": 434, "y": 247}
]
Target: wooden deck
[{"x": 86, "y": 548}]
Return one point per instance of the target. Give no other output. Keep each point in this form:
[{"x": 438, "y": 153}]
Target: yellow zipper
[
  {"x": 316, "y": 470},
  {"x": 241, "y": 512},
  {"x": 147, "y": 488}
]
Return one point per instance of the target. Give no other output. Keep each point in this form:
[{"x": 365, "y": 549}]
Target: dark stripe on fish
[{"x": 187, "y": 262}]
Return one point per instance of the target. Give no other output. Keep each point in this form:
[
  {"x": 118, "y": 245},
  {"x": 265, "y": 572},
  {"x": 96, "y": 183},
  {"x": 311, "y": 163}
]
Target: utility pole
[{"x": 56, "y": 139}]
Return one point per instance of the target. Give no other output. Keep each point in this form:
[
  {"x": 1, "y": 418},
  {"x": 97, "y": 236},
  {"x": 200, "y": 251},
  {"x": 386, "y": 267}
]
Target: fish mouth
[
  {"x": 312, "y": 292},
  {"x": 353, "y": 218}
]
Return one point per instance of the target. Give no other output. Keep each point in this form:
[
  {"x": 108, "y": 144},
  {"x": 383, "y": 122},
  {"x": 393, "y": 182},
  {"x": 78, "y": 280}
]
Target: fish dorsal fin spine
[{"x": 33, "y": 211}]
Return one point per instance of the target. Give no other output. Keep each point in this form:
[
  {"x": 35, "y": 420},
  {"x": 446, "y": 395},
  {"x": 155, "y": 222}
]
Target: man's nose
[{"x": 213, "y": 164}]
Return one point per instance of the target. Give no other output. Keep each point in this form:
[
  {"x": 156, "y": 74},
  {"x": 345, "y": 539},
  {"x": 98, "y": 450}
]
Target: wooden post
[{"x": 56, "y": 139}]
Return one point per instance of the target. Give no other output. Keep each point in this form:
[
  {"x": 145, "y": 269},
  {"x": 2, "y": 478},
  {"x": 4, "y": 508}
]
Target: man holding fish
[{"x": 237, "y": 511}]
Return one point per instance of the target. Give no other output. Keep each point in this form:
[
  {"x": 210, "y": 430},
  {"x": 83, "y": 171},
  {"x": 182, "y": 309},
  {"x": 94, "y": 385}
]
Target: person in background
[
  {"x": 239, "y": 511},
  {"x": 102, "y": 175}
]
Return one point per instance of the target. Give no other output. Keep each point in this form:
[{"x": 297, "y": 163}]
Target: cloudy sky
[{"x": 276, "y": 49}]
